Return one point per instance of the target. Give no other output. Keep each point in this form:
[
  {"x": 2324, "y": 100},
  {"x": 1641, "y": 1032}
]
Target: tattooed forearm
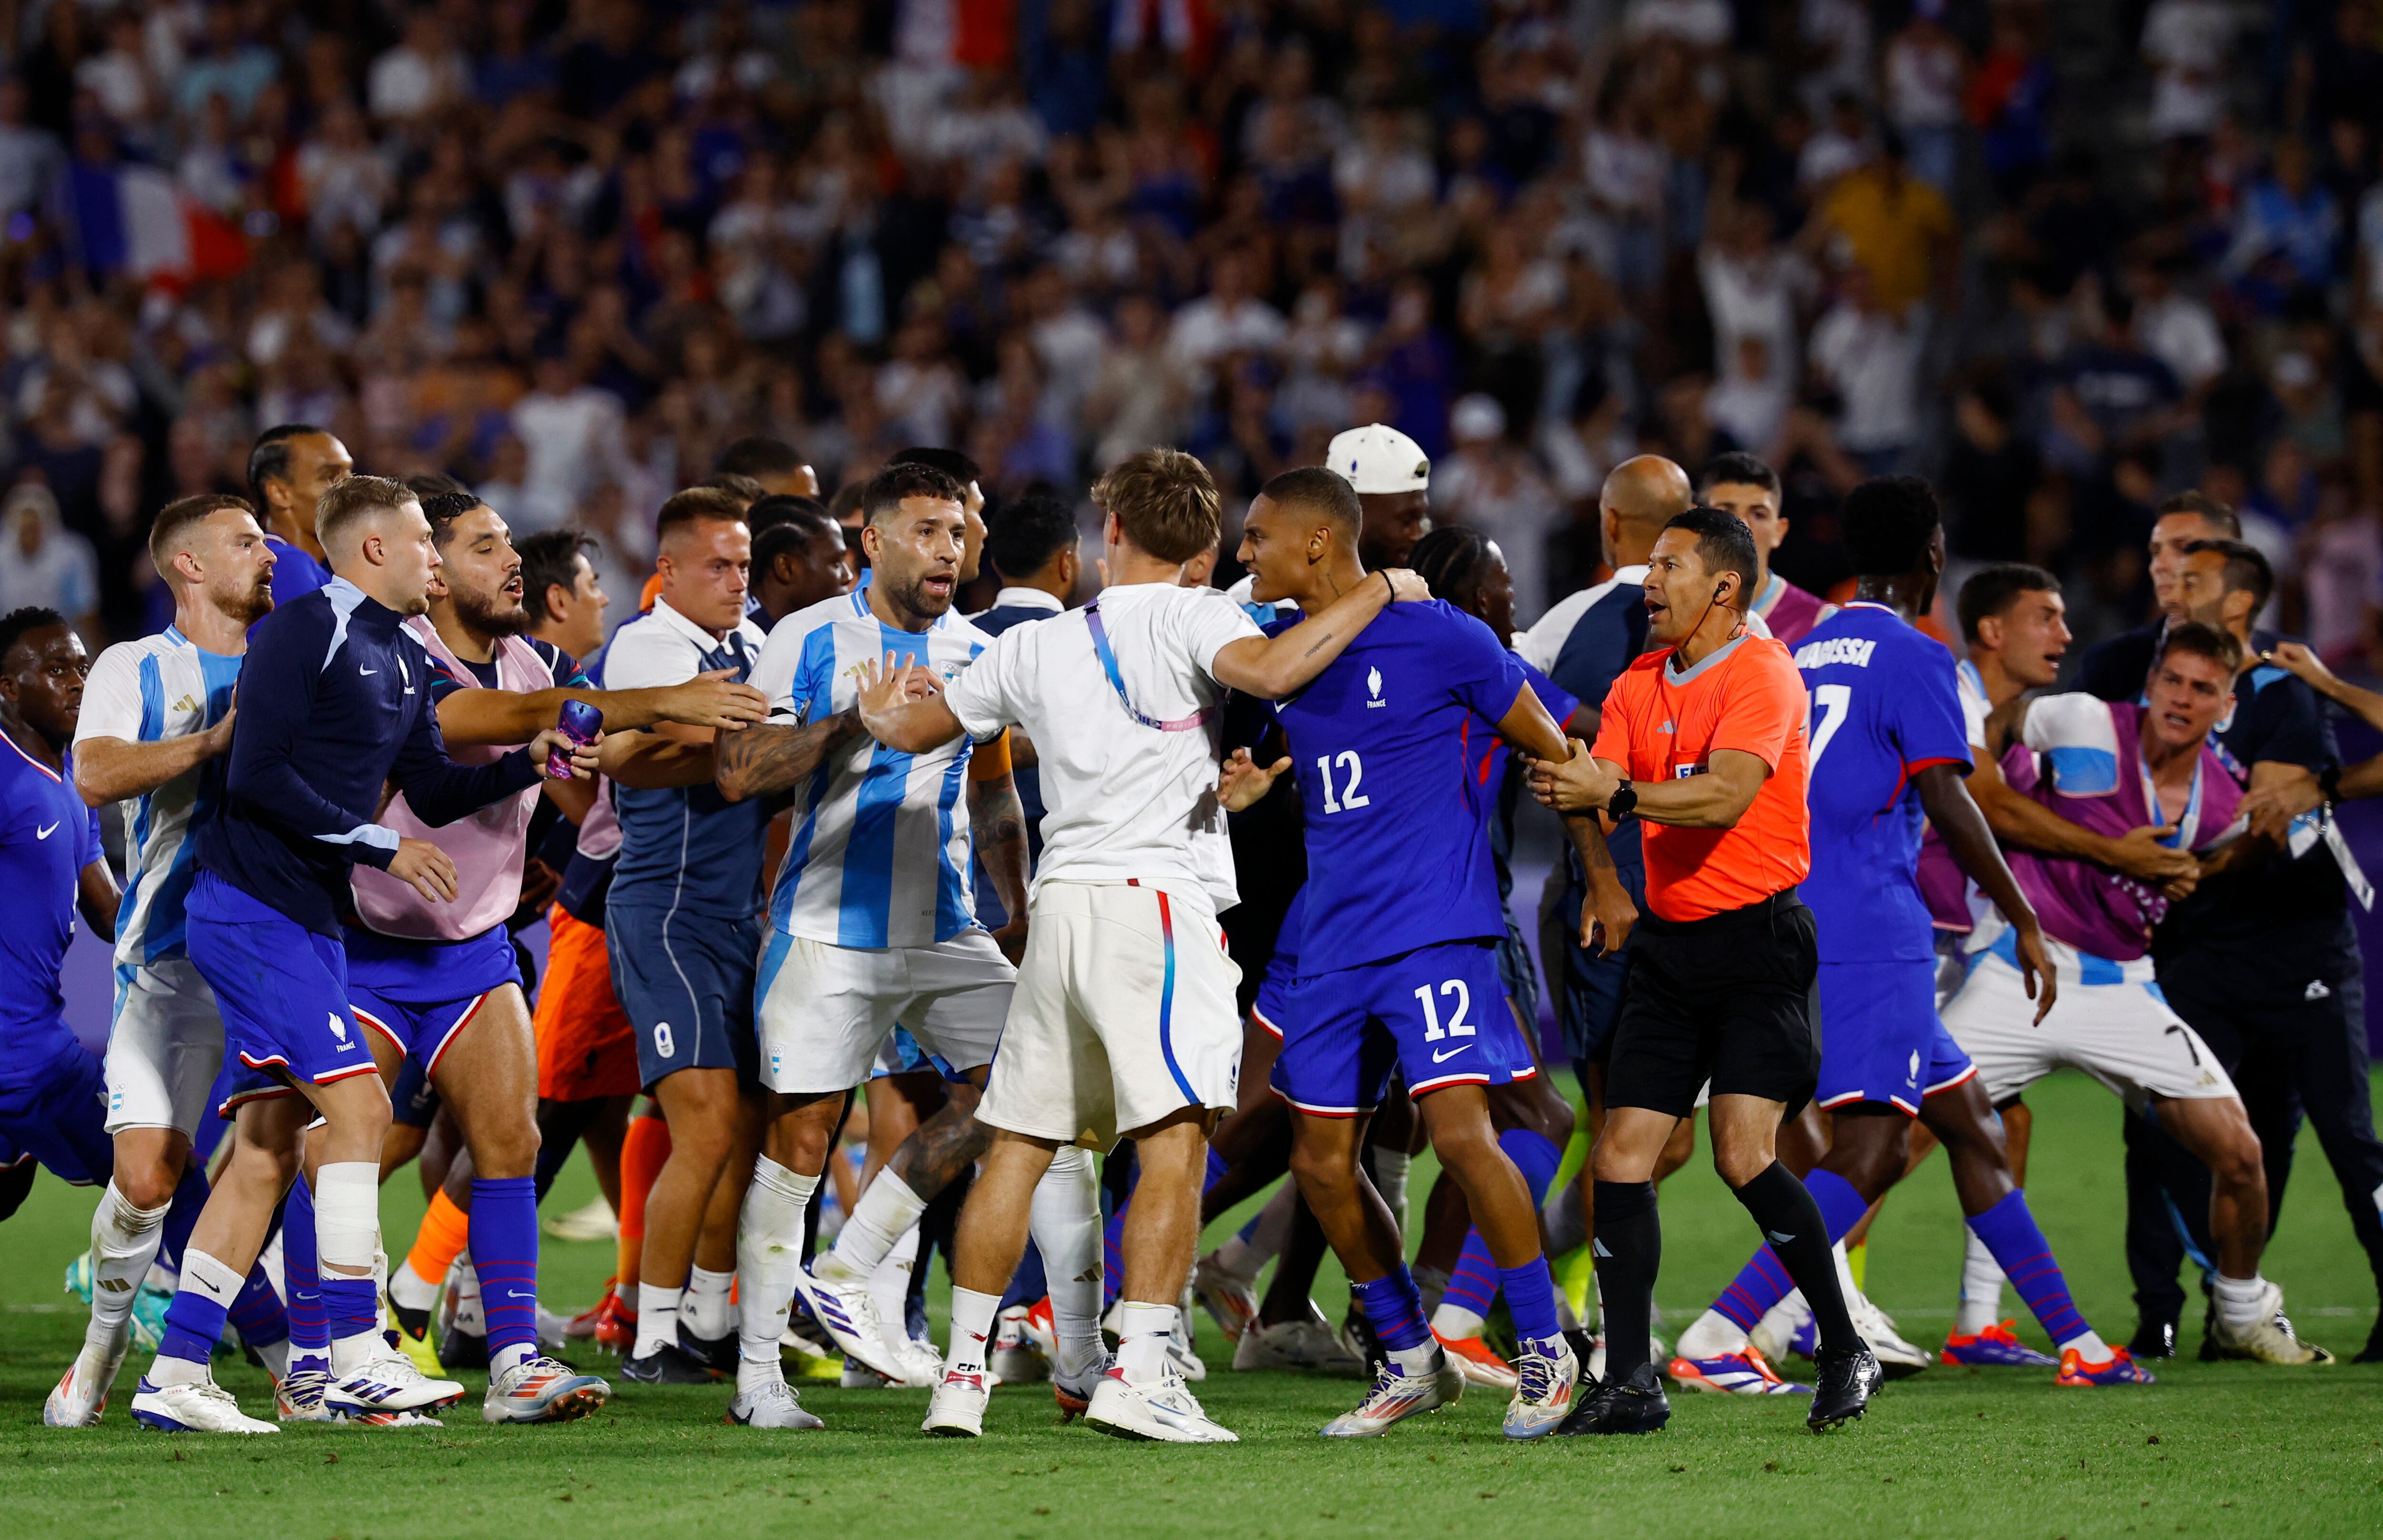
[
  {"x": 941, "y": 1147},
  {"x": 1587, "y": 836},
  {"x": 997, "y": 819},
  {"x": 765, "y": 760}
]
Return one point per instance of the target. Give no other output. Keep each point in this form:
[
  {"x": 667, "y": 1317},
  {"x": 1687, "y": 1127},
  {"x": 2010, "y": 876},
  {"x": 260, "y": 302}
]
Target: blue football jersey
[
  {"x": 47, "y": 836},
  {"x": 1398, "y": 852},
  {"x": 1885, "y": 706}
]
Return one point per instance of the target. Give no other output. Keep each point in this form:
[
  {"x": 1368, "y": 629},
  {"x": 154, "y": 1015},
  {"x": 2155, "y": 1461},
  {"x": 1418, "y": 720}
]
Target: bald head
[
  {"x": 1648, "y": 489},
  {"x": 1640, "y": 498}
]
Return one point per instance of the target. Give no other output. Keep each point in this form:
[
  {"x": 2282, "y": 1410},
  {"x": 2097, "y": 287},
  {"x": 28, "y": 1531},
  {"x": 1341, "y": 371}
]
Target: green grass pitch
[{"x": 2212, "y": 1450}]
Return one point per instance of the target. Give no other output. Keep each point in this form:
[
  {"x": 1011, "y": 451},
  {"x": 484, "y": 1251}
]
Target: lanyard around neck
[{"x": 1116, "y": 680}]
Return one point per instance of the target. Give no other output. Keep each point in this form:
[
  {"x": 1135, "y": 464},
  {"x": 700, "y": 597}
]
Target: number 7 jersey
[
  {"x": 1885, "y": 705},
  {"x": 1398, "y": 855}
]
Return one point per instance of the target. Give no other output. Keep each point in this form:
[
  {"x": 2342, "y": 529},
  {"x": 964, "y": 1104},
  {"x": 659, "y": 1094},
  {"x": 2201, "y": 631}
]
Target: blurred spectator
[
  {"x": 1869, "y": 354},
  {"x": 1924, "y": 68},
  {"x": 42, "y": 562}
]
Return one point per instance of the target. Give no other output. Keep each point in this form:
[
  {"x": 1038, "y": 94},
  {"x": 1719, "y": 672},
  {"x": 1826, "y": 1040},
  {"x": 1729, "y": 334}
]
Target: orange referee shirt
[{"x": 1660, "y": 724}]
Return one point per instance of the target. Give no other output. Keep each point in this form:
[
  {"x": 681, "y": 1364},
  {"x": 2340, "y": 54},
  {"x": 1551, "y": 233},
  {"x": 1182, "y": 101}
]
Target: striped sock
[
  {"x": 1470, "y": 1290},
  {"x": 1393, "y": 1308},
  {"x": 309, "y": 1326},
  {"x": 2010, "y": 1233},
  {"x": 504, "y": 1250}
]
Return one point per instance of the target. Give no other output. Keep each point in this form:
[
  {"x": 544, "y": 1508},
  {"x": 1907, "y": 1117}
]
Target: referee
[{"x": 1702, "y": 740}]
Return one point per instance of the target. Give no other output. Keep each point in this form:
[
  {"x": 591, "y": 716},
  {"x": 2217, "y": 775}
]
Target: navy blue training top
[{"x": 334, "y": 700}]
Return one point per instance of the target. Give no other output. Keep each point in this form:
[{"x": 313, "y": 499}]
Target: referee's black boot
[
  {"x": 2153, "y": 1338},
  {"x": 2373, "y": 1351},
  {"x": 1848, "y": 1379},
  {"x": 1635, "y": 1405}
]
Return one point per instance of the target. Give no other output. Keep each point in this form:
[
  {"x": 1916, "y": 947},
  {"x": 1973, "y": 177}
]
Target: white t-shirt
[{"x": 1121, "y": 800}]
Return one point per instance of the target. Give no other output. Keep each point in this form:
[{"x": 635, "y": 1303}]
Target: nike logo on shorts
[{"x": 1438, "y": 1056}]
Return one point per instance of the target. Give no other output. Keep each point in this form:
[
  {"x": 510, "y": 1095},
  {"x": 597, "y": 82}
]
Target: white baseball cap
[{"x": 1378, "y": 457}]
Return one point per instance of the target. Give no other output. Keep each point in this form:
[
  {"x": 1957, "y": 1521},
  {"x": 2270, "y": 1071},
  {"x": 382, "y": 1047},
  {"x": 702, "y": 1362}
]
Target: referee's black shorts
[{"x": 1728, "y": 999}]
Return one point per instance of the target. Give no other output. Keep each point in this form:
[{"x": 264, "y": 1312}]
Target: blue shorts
[
  {"x": 56, "y": 1114},
  {"x": 413, "y": 1100},
  {"x": 685, "y": 982},
  {"x": 1881, "y": 1039},
  {"x": 421, "y": 994},
  {"x": 283, "y": 989},
  {"x": 1437, "y": 1013},
  {"x": 1272, "y": 1007}
]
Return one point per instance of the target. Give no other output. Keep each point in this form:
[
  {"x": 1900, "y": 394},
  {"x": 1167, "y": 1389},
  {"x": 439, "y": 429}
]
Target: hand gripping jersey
[
  {"x": 1884, "y": 707},
  {"x": 881, "y": 851},
  {"x": 2092, "y": 774},
  {"x": 486, "y": 847},
  {"x": 158, "y": 688}
]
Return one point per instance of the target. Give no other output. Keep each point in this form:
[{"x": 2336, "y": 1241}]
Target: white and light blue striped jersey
[
  {"x": 159, "y": 687},
  {"x": 881, "y": 848}
]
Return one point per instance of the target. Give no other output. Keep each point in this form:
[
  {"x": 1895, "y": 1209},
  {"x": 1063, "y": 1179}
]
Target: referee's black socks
[
  {"x": 1629, "y": 1252},
  {"x": 1799, "y": 1238}
]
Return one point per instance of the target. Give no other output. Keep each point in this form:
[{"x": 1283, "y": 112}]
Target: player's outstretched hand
[
  {"x": 1576, "y": 785},
  {"x": 1240, "y": 781},
  {"x": 555, "y": 741},
  {"x": 2271, "y": 810},
  {"x": 717, "y": 701},
  {"x": 426, "y": 868},
  {"x": 884, "y": 689},
  {"x": 2298, "y": 660},
  {"x": 2141, "y": 855},
  {"x": 2035, "y": 970}
]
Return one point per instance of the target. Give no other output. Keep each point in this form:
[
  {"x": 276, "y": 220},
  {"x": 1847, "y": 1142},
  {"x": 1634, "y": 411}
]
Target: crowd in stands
[{"x": 2064, "y": 257}]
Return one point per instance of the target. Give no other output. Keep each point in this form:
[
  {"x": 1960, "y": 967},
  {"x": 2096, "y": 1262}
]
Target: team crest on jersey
[
  {"x": 338, "y": 1028},
  {"x": 1374, "y": 687}
]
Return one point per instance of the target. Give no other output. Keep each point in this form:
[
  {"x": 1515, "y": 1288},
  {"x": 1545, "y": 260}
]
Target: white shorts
[
  {"x": 1125, "y": 1014},
  {"x": 825, "y": 1011},
  {"x": 2119, "y": 1030},
  {"x": 164, "y": 1048}
]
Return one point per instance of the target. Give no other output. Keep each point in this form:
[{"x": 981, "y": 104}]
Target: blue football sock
[
  {"x": 1531, "y": 1300},
  {"x": 1393, "y": 1308},
  {"x": 1762, "y": 1282},
  {"x": 349, "y": 1306},
  {"x": 1216, "y": 1169},
  {"x": 1535, "y": 1156},
  {"x": 309, "y": 1327},
  {"x": 1474, "y": 1283},
  {"x": 189, "y": 1197},
  {"x": 257, "y": 1311},
  {"x": 1113, "y": 1255},
  {"x": 194, "y": 1324},
  {"x": 2010, "y": 1233},
  {"x": 504, "y": 1241}
]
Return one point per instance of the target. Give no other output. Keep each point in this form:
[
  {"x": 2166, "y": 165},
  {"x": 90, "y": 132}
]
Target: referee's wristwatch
[{"x": 1623, "y": 801}]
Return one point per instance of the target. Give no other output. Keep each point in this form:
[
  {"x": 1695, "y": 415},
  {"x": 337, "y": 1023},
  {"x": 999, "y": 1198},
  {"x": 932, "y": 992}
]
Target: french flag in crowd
[{"x": 136, "y": 220}]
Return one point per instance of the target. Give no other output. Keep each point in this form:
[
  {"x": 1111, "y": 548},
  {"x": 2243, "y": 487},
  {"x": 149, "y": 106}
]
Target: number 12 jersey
[{"x": 1398, "y": 855}]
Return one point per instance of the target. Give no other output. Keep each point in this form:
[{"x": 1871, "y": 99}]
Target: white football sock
[
  {"x": 768, "y": 1251},
  {"x": 124, "y": 1241},
  {"x": 1066, "y": 1219},
  {"x": 889, "y": 1287},
  {"x": 1144, "y": 1332},
  {"x": 657, "y": 1318},
  {"x": 1710, "y": 1335},
  {"x": 471, "y": 1315},
  {"x": 972, "y": 1315},
  {"x": 704, "y": 1308},
  {"x": 2240, "y": 1299},
  {"x": 1455, "y": 1321},
  {"x": 2089, "y": 1344},
  {"x": 1981, "y": 1291},
  {"x": 1244, "y": 1258},
  {"x": 886, "y": 1212},
  {"x": 411, "y": 1289}
]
